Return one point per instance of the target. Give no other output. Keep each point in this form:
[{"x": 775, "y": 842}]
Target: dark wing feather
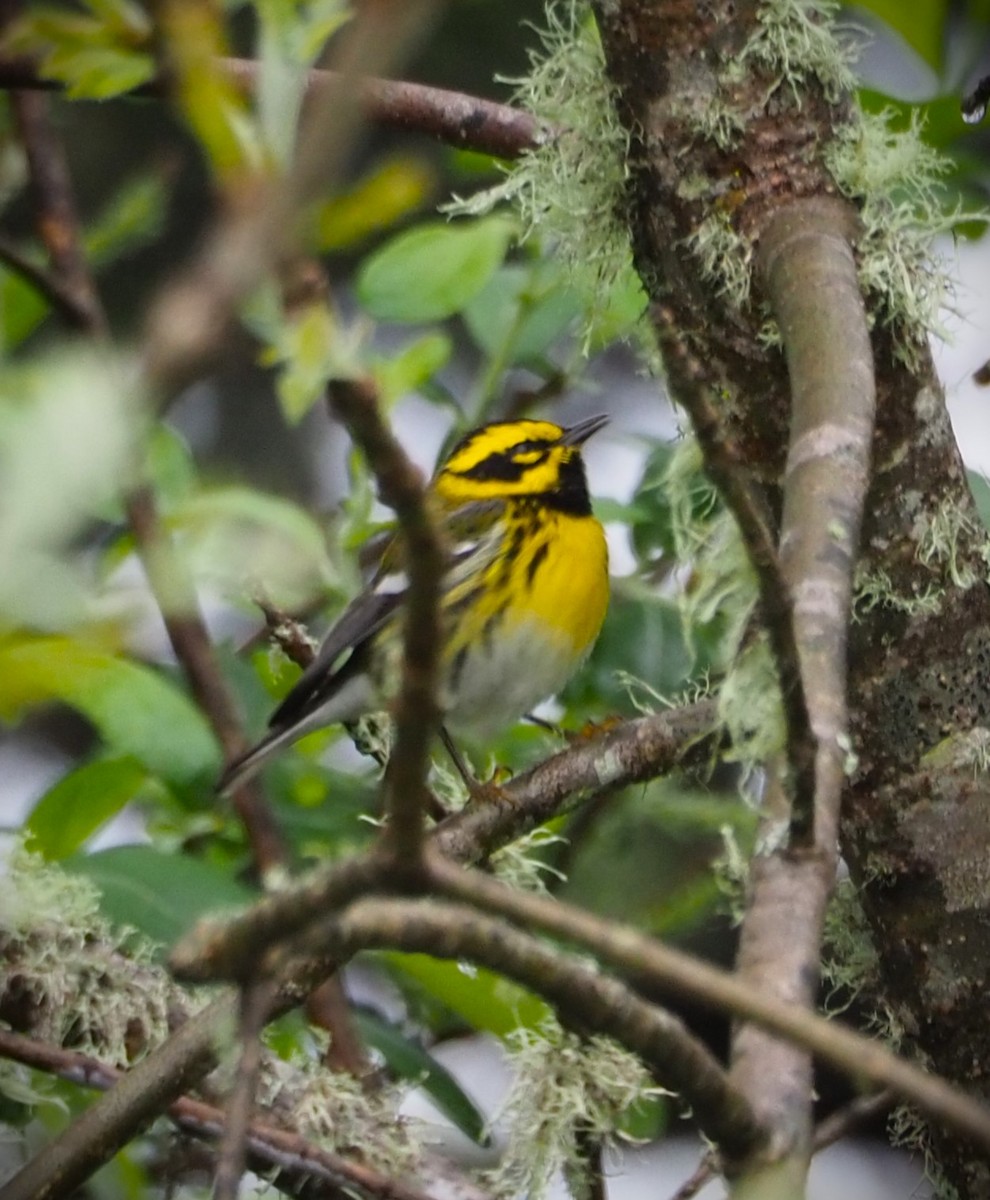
[
  {"x": 359, "y": 621},
  {"x": 466, "y": 528}
]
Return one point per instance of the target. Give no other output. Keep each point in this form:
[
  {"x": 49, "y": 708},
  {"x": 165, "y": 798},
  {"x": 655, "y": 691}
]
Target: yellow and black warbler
[{"x": 523, "y": 597}]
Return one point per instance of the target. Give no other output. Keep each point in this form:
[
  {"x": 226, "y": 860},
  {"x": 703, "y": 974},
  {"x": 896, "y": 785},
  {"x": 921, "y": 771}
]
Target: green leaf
[
  {"x": 392, "y": 191},
  {"x": 521, "y": 312},
  {"x": 643, "y": 636},
  {"x": 412, "y": 367},
  {"x": 432, "y": 271},
  {"x": 137, "y": 711},
  {"x": 160, "y": 895},
  {"x": 409, "y": 1061},
  {"x": 483, "y": 999},
  {"x": 979, "y": 485},
  {"x": 95, "y": 55},
  {"x": 133, "y": 217},
  {"x": 921, "y": 24},
  {"x": 242, "y": 538},
  {"x": 83, "y": 801}
]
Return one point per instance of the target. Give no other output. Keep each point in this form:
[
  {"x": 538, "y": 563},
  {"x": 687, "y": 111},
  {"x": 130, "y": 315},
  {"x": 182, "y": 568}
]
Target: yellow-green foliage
[{"x": 570, "y": 187}]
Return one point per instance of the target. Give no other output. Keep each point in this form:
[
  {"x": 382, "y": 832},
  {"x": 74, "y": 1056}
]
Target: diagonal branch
[
  {"x": 647, "y": 961},
  {"x": 460, "y": 120},
  {"x": 415, "y": 709},
  {"x": 584, "y": 998},
  {"x": 305, "y": 1170},
  {"x": 228, "y": 947}
]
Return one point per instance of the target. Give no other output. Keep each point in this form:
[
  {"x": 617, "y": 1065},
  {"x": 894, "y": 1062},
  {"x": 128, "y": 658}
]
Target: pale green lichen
[
  {"x": 796, "y": 42},
  {"x": 750, "y": 706},
  {"x": 941, "y": 536},
  {"x": 850, "y": 966},
  {"x": 895, "y": 178},
  {"x": 723, "y": 586},
  {"x": 570, "y": 187},
  {"x": 725, "y": 256},
  {"x": 340, "y": 1113},
  {"x": 521, "y": 864},
  {"x": 89, "y": 985},
  {"x": 969, "y": 748},
  {"x": 875, "y": 589},
  {"x": 566, "y": 1089}
]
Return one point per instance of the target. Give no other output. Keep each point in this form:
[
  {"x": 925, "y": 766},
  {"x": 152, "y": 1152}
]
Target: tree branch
[
  {"x": 299, "y": 1162},
  {"x": 415, "y": 709},
  {"x": 807, "y": 263},
  {"x": 648, "y": 963},
  {"x": 228, "y": 947},
  {"x": 585, "y": 999},
  {"x": 460, "y": 120}
]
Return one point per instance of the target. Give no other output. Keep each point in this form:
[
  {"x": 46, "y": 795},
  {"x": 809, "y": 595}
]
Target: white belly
[{"x": 506, "y": 676}]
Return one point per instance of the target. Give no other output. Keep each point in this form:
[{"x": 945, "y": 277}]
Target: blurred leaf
[
  {"x": 390, "y": 192},
  {"x": 979, "y": 485},
  {"x": 160, "y": 895},
  {"x": 136, "y": 711},
  {"x": 246, "y": 540},
  {"x": 521, "y": 312},
  {"x": 218, "y": 114},
  {"x": 83, "y": 801},
  {"x": 133, "y": 217},
  {"x": 410, "y": 1061},
  {"x": 306, "y": 353},
  {"x": 432, "y": 271},
  {"x": 67, "y": 431},
  {"x": 412, "y": 367},
  {"x": 170, "y": 466},
  {"x": 96, "y": 55},
  {"x": 619, "y": 313},
  {"x": 921, "y": 24},
  {"x": 651, "y": 515},
  {"x": 483, "y": 999},
  {"x": 643, "y": 636}
]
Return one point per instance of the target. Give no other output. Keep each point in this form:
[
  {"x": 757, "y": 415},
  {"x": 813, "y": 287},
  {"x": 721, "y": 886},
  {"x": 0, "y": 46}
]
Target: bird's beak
[{"x": 577, "y": 434}]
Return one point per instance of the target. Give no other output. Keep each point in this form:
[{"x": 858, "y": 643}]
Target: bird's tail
[{"x": 250, "y": 763}]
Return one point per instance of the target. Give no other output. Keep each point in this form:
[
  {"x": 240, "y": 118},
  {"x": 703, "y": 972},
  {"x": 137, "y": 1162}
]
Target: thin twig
[
  {"x": 299, "y": 1162},
  {"x": 415, "y": 709},
  {"x": 727, "y": 472},
  {"x": 467, "y": 122},
  {"x": 835, "y": 1126},
  {"x": 256, "y": 1003},
  {"x": 39, "y": 277}
]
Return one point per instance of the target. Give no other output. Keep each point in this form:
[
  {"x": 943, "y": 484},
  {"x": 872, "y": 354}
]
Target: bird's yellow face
[{"x": 519, "y": 458}]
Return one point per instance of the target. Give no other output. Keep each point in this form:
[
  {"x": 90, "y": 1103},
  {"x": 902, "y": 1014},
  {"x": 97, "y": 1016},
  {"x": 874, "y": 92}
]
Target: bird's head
[{"x": 520, "y": 458}]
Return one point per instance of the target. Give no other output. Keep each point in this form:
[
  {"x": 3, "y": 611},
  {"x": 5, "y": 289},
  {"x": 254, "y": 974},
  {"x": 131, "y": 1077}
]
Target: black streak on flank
[{"x": 539, "y": 556}]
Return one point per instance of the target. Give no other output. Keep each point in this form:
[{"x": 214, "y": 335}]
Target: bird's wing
[
  {"x": 359, "y": 621},
  {"x": 471, "y": 531}
]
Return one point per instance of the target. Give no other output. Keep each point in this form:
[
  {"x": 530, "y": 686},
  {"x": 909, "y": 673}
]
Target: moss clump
[
  {"x": 570, "y": 188},
  {"x": 567, "y": 1090},
  {"x": 77, "y": 981}
]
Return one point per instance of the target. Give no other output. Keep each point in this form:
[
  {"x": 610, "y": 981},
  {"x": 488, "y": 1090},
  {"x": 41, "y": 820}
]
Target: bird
[{"x": 522, "y": 600}]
